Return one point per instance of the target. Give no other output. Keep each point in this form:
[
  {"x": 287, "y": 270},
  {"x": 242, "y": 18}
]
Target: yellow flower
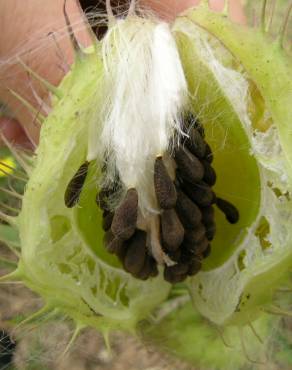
[{"x": 7, "y": 165}]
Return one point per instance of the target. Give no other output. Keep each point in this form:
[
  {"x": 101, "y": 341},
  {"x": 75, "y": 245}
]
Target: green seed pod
[
  {"x": 122, "y": 109},
  {"x": 257, "y": 181},
  {"x": 62, "y": 253}
]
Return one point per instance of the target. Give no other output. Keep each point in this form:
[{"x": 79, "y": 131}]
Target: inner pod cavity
[{"x": 179, "y": 236}]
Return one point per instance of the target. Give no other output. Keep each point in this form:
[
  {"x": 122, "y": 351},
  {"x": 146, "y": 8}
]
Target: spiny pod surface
[{"x": 184, "y": 132}]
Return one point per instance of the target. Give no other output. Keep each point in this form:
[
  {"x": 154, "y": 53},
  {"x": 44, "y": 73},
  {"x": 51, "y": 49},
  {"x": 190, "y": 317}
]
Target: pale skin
[{"x": 27, "y": 27}]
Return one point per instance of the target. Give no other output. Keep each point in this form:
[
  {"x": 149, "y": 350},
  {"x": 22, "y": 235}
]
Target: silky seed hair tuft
[{"x": 146, "y": 92}]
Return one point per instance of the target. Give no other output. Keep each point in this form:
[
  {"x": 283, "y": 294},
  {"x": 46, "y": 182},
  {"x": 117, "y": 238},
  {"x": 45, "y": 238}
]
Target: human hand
[{"x": 37, "y": 35}]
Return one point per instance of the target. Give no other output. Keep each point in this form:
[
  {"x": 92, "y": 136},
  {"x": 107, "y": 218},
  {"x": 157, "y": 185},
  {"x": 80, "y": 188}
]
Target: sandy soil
[{"x": 41, "y": 347}]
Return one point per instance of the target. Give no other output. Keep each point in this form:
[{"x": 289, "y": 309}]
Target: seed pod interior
[
  {"x": 63, "y": 257},
  {"x": 247, "y": 193},
  {"x": 228, "y": 130}
]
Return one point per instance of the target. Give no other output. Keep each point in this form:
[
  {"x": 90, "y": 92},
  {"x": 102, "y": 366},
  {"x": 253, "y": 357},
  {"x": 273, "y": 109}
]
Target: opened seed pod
[{"x": 157, "y": 166}]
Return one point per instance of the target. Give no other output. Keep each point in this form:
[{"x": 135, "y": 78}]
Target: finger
[
  {"x": 43, "y": 43},
  {"x": 14, "y": 133},
  {"x": 236, "y": 10},
  {"x": 168, "y": 9}
]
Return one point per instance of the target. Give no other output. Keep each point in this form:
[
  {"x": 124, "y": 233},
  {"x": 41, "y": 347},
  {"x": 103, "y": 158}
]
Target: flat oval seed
[
  {"x": 164, "y": 186},
  {"x": 179, "y": 268},
  {"x": 230, "y": 211},
  {"x": 207, "y": 252},
  {"x": 188, "y": 212},
  {"x": 136, "y": 252},
  {"x": 112, "y": 243},
  {"x": 208, "y": 215},
  {"x": 196, "y": 144},
  {"x": 121, "y": 252},
  {"x": 75, "y": 186},
  {"x": 171, "y": 229},
  {"x": 173, "y": 278},
  {"x": 209, "y": 173},
  {"x": 195, "y": 266},
  {"x": 149, "y": 269},
  {"x": 201, "y": 193},
  {"x": 125, "y": 217},
  {"x": 154, "y": 268},
  {"x": 101, "y": 199},
  {"x": 107, "y": 220},
  {"x": 194, "y": 236},
  {"x": 175, "y": 256},
  {"x": 200, "y": 247},
  {"x": 209, "y": 154},
  {"x": 190, "y": 168},
  {"x": 210, "y": 231},
  {"x": 187, "y": 255}
]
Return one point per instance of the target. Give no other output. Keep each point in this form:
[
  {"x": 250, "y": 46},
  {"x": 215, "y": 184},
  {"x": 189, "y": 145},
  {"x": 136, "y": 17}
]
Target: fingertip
[
  {"x": 168, "y": 9},
  {"x": 12, "y": 131}
]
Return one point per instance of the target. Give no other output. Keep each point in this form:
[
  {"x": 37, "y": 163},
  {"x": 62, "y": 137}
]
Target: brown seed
[
  {"x": 125, "y": 217},
  {"x": 188, "y": 212},
  {"x": 208, "y": 215},
  {"x": 207, "y": 252},
  {"x": 103, "y": 196},
  {"x": 194, "y": 266},
  {"x": 75, "y": 186},
  {"x": 136, "y": 252},
  {"x": 107, "y": 219},
  {"x": 196, "y": 144},
  {"x": 179, "y": 268},
  {"x": 171, "y": 229},
  {"x": 173, "y": 278},
  {"x": 200, "y": 193},
  {"x": 176, "y": 255},
  {"x": 191, "y": 121},
  {"x": 154, "y": 269},
  {"x": 186, "y": 254},
  {"x": 164, "y": 186},
  {"x": 190, "y": 168},
  {"x": 214, "y": 197},
  {"x": 209, "y": 173},
  {"x": 101, "y": 199},
  {"x": 211, "y": 231},
  {"x": 112, "y": 243},
  {"x": 194, "y": 236},
  {"x": 149, "y": 269},
  {"x": 209, "y": 155},
  {"x": 230, "y": 211},
  {"x": 121, "y": 252},
  {"x": 200, "y": 247}
]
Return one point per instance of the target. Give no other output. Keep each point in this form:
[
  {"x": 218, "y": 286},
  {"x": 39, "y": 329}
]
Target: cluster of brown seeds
[
  {"x": 123, "y": 238},
  {"x": 186, "y": 224},
  {"x": 186, "y": 221}
]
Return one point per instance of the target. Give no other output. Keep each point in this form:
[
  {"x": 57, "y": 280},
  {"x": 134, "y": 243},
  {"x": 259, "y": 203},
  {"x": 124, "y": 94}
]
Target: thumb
[
  {"x": 168, "y": 9},
  {"x": 38, "y": 37}
]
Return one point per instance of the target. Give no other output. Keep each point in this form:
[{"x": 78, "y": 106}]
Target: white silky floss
[{"x": 146, "y": 92}]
